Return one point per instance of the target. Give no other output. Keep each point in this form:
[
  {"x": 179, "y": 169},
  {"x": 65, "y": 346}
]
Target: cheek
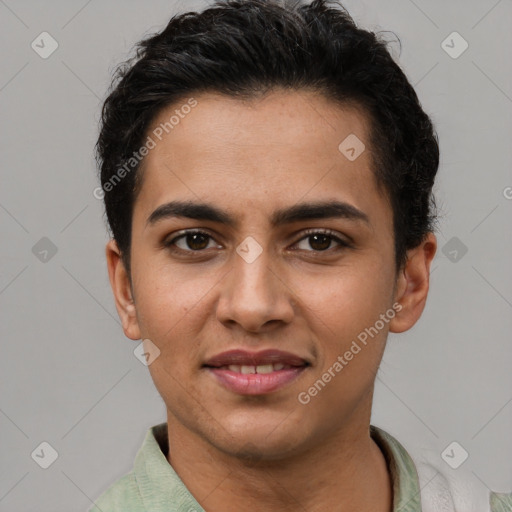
[
  {"x": 169, "y": 314},
  {"x": 344, "y": 315},
  {"x": 349, "y": 300},
  {"x": 167, "y": 298}
]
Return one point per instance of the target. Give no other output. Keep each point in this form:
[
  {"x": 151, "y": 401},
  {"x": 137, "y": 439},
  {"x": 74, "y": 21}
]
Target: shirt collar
[
  {"x": 159, "y": 485},
  {"x": 406, "y": 488}
]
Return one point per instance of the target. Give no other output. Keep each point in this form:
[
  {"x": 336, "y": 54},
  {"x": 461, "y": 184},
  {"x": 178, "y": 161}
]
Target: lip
[
  {"x": 244, "y": 357},
  {"x": 255, "y": 383}
]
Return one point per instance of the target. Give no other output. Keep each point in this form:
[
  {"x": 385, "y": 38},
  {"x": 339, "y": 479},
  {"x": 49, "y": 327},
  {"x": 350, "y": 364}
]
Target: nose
[{"x": 254, "y": 296}]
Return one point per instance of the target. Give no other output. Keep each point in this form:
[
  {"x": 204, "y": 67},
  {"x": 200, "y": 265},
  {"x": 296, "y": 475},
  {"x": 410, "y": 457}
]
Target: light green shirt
[{"x": 154, "y": 486}]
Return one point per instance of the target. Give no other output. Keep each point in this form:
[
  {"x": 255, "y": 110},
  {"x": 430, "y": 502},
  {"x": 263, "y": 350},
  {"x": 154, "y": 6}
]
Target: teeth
[{"x": 262, "y": 368}]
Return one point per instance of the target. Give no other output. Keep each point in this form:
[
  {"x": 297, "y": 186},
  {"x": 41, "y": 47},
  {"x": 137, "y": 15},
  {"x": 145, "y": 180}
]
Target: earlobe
[
  {"x": 413, "y": 284},
  {"x": 121, "y": 288}
]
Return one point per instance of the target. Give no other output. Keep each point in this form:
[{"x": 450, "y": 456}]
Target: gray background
[{"x": 68, "y": 374}]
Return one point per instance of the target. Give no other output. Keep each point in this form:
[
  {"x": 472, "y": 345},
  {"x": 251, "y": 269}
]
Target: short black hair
[{"x": 247, "y": 48}]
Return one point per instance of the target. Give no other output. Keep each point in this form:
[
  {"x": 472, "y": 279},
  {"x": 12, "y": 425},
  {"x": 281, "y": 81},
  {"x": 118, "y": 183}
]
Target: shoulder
[
  {"x": 449, "y": 490},
  {"x": 422, "y": 475},
  {"x": 123, "y": 495}
]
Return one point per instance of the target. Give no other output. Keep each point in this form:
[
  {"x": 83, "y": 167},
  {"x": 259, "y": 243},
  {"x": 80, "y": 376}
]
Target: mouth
[
  {"x": 259, "y": 373},
  {"x": 252, "y": 369}
]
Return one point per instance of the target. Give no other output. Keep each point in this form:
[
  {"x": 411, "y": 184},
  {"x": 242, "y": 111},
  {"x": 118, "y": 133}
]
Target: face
[{"x": 259, "y": 283}]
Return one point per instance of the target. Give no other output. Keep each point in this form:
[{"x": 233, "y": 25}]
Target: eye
[
  {"x": 190, "y": 241},
  {"x": 320, "y": 240},
  {"x": 195, "y": 241}
]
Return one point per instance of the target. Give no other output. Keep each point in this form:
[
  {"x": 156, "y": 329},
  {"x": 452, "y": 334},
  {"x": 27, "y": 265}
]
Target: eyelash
[{"x": 170, "y": 244}]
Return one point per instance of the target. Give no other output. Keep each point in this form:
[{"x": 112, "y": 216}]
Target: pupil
[
  {"x": 323, "y": 246},
  {"x": 192, "y": 241}
]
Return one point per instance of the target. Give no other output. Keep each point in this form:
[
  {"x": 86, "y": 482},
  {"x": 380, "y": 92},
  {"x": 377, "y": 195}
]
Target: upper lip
[{"x": 244, "y": 357}]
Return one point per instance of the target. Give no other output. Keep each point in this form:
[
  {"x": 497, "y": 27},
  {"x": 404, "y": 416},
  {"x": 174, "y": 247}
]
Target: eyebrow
[{"x": 298, "y": 212}]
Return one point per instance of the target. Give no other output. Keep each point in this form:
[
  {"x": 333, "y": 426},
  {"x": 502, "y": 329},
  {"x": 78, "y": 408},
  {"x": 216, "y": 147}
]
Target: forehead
[{"x": 275, "y": 149}]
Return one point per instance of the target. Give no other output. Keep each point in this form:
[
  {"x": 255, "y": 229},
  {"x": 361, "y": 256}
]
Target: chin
[{"x": 255, "y": 439}]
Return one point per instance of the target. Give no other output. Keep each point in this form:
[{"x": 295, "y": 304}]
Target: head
[{"x": 291, "y": 140}]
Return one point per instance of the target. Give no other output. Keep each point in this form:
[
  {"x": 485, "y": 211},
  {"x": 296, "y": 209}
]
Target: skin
[{"x": 250, "y": 158}]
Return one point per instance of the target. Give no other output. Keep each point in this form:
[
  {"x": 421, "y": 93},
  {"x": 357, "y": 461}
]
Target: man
[{"x": 267, "y": 172}]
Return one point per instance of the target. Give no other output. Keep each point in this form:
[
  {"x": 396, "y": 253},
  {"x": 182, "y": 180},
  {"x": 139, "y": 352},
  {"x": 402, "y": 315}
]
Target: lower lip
[{"x": 255, "y": 383}]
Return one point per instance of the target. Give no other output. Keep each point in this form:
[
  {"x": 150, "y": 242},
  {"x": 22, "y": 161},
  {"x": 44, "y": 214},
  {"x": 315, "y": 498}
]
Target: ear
[
  {"x": 120, "y": 283},
  {"x": 412, "y": 284}
]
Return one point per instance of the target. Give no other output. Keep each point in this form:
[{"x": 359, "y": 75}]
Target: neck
[{"x": 344, "y": 473}]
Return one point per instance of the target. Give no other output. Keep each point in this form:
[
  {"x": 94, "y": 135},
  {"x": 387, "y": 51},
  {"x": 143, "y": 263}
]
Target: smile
[{"x": 260, "y": 373}]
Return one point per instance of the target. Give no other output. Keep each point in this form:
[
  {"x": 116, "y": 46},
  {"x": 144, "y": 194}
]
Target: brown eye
[
  {"x": 318, "y": 241},
  {"x": 196, "y": 241},
  {"x": 190, "y": 241}
]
